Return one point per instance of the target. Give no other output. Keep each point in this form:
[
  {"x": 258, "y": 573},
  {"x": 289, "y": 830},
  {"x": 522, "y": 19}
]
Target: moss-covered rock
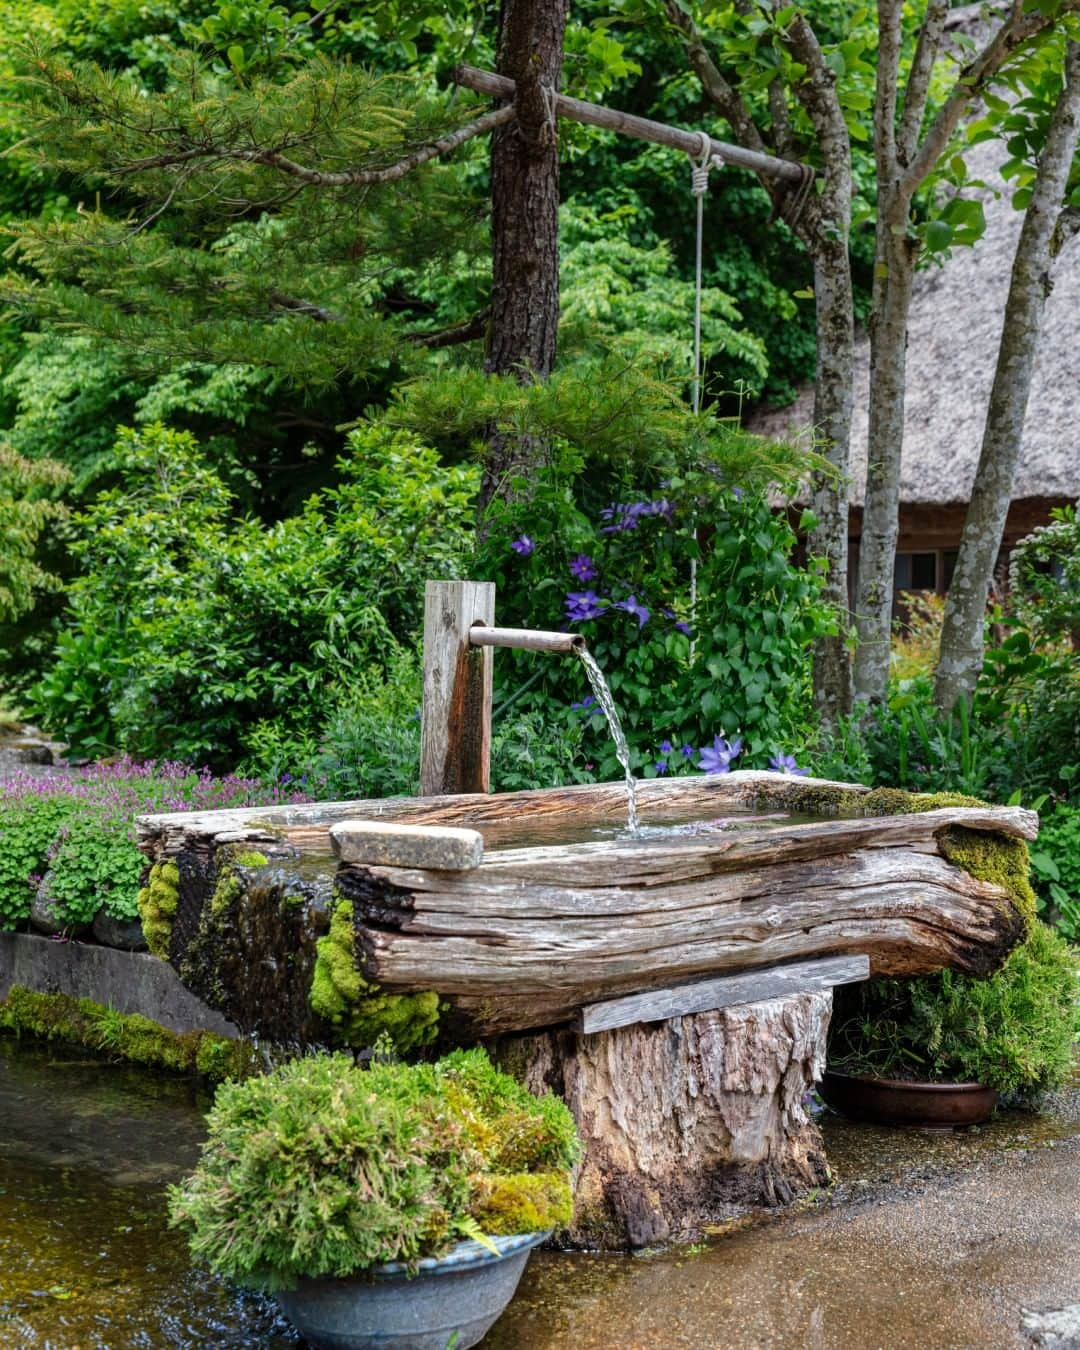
[
  {"x": 128, "y": 1036},
  {"x": 357, "y": 1009},
  {"x": 157, "y": 906}
]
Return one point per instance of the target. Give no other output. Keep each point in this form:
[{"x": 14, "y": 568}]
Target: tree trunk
[
  {"x": 894, "y": 271},
  {"x": 832, "y": 418},
  {"x": 525, "y": 218},
  {"x": 962, "y": 633},
  {"x": 686, "y": 1123}
]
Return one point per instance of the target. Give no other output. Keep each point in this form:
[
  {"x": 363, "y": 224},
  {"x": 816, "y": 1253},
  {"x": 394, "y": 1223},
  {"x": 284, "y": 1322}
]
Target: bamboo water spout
[{"x": 459, "y": 636}]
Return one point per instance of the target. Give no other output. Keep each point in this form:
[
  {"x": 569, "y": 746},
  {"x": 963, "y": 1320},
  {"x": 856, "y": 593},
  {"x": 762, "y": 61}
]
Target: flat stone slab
[
  {"x": 130, "y": 982},
  {"x": 442, "y": 848}
]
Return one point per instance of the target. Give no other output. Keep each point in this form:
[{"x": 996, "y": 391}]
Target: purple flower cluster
[
  {"x": 132, "y": 788},
  {"x": 629, "y": 515},
  {"x": 523, "y": 546},
  {"x": 667, "y": 749},
  {"x": 583, "y": 605},
  {"x": 716, "y": 758},
  {"x": 781, "y": 763}
]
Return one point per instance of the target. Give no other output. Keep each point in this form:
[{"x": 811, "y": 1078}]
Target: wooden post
[{"x": 455, "y": 735}]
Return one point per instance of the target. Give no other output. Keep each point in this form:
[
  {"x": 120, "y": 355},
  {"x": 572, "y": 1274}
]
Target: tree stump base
[{"x": 687, "y": 1123}]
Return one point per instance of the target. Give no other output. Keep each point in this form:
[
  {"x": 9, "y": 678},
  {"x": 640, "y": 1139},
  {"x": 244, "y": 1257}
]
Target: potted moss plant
[
  {"x": 392, "y": 1206},
  {"x": 939, "y": 1049}
]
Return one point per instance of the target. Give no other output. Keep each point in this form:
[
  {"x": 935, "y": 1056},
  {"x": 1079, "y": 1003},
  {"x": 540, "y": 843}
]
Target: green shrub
[
  {"x": 1014, "y": 1031},
  {"x": 190, "y": 631},
  {"x": 1055, "y": 863},
  {"x": 323, "y": 1168}
]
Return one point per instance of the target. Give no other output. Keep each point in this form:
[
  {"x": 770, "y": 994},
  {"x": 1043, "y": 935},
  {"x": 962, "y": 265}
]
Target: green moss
[
  {"x": 898, "y": 802},
  {"x": 356, "y": 1008},
  {"x": 128, "y": 1036},
  {"x": 997, "y": 858},
  {"x": 527, "y": 1202},
  {"x": 228, "y": 888},
  {"x": 157, "y": 906}
]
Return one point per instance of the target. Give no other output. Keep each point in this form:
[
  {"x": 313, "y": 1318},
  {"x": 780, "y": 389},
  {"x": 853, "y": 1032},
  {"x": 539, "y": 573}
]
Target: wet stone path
[{"x": 966, "y": 1240}]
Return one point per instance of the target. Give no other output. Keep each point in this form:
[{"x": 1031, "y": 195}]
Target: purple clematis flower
[
  {"x": 582, "y": 568},
  {"x": 629, "y": 515},
  {"x": 665, "y": 747},
  {"x": 716, "y": 758},
  {"x": 687, "y": 751},
  {"x": 631, "y": 606},
  {"x": 523, "y": 546},
  {"x": 660, "y": 766},
  {"x": 681, "y": 627},
  {"x": 781, "y": 763},
  {"x": 583, "y": 605}
]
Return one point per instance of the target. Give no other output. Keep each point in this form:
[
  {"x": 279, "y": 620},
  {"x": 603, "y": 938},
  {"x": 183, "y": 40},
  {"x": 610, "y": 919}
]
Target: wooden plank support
[
  {"x": 455, "y": 735},
  {"x": 643, "y": 128},
  {"x": 432, "y": 847},
  {"x": 726, "y": 991}
]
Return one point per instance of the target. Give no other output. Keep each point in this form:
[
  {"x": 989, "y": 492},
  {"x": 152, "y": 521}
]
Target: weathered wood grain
[
  {"x": 455, "y": 738},
  {"x": 725, "y": 991},
  {"x": 305, "y": 825}
]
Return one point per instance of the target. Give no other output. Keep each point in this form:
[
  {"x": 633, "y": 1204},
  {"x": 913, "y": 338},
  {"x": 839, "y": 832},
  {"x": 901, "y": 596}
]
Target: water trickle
[{"x": 602, "y": 694}]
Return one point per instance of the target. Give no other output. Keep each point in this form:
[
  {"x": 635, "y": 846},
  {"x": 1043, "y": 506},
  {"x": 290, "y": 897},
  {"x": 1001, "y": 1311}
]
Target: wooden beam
[
  {"x": 643, "y": 128},
  {"x": 455, "y": 735},
  {"x": 726, "y": 991}
]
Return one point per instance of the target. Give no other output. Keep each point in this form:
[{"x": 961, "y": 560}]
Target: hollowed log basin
[{"x": 547, "y": 921}]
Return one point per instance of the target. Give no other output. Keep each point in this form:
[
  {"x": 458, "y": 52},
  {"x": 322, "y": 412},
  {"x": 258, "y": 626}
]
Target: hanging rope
[{"x": 699, "y": 186}]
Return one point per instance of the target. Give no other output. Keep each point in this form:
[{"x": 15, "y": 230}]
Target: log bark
[
  {"x": 524, "y": 219},
  {"x": 961, "y": 657},
  {"x": 689, "y": 1123}
]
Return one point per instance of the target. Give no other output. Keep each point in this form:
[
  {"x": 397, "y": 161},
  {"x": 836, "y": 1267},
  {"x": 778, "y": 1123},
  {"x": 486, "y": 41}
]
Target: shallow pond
[{"x": 87, "y": 1261}]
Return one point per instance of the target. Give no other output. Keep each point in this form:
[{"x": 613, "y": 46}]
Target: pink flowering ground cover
[{"x": 74, "y": 833}]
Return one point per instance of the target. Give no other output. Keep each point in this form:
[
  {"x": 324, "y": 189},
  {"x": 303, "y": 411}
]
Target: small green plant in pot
[
  {"x": 947, "y": 1044},
  {"x": 367, "y": 1199}
]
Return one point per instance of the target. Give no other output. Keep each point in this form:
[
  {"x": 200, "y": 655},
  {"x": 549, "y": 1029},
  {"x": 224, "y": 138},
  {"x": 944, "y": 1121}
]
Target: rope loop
[{"x": 700, "y": 168}]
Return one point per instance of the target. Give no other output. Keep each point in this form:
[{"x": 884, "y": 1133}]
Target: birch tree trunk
[
  {"x": 904, "y": 158},
  {"x": 822, "y": 226},
  {"x": 962, "y": 633},
  {"x": 524, "y": 218}
]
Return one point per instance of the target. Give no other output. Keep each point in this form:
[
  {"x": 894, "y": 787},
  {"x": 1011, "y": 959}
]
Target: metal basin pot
[
  {"x": 894, "y": 1101},
  {"x": 387, "y": 1308}
]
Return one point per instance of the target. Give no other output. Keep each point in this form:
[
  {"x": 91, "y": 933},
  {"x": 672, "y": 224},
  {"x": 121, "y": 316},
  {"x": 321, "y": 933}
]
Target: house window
[{"x": 915, "y": 572}]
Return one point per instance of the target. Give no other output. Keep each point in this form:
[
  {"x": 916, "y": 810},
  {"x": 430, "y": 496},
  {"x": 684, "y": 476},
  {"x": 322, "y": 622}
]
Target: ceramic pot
[
  {"x": 893, "y": 1101},
  {"x": 387, "y": 1308}
]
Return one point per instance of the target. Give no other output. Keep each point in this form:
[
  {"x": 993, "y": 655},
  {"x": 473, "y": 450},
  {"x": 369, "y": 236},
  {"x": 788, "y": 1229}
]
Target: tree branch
[
  {"x": 918, "y": 82},
  {"x": 473, "y": 328},
  {"x": 719, "y": 91},
  {"x": 888, "y": 75},
  {"x": 1067, "y": 227},
  {"x": 1018, "y": 28},
  {"x": 320, "y": 178}
]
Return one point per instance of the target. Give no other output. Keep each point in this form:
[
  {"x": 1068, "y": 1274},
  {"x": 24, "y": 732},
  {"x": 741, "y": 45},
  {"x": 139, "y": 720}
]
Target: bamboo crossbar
[{"x": 643, "y": 128}]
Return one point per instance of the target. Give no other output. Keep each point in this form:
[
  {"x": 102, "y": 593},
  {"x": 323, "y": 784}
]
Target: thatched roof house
[{"x": 955, "y": 326}]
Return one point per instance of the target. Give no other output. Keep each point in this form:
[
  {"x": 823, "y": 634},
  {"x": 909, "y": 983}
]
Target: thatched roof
[{"x": 956, "y": 320}]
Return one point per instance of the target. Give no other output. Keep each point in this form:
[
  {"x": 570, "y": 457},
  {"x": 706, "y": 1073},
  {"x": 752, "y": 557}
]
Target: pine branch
[{"x": 274, "y": 159}]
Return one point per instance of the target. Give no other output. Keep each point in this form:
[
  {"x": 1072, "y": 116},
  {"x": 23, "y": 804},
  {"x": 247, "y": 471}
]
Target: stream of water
[{"x": 603, "y": 696}]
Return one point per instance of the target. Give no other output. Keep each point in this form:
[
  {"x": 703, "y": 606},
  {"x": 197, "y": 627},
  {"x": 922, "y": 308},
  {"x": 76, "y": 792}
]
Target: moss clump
[
  {"x": 228, "y": 888},
  {"x": 128, "y": 1036},
  {"x": 321, "y": 1168},
  {"x": 157, "y": 906},
  {"x": 899, "y": 802},
  {"x": 525, "y": 1203},
  {"x": 997, "y": 858},
  {"x": 357, "y": 1009}
]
